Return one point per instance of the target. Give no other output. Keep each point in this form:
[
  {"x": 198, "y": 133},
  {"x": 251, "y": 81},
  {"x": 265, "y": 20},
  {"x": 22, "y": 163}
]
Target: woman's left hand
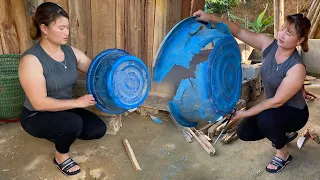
[{"x": 239, "y": 115}]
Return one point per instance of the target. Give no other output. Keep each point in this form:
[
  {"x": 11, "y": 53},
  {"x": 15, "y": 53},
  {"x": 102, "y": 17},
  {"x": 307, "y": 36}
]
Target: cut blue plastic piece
[
  {"x": 184, "y": 41},
  {"x": 118, "y": 81},
  {"x": 215, "y": 90}
]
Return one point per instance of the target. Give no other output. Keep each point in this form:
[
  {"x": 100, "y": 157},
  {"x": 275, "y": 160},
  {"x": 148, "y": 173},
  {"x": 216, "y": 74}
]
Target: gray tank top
[
  {"x": 272, "y": 74},
  {"x": 59, "y": 80}
]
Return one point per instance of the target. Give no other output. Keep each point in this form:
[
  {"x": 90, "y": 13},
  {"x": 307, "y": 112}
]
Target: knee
[
  {"x": 73, "y": 125},
  {"x": 100, "y": 130},
  {"x": 242, "y": 133}
]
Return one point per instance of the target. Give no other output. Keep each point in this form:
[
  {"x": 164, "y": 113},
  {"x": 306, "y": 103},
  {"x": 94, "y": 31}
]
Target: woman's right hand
[
  {"x": 203, "y": 16},
  {"x": 85, "y": 101}
]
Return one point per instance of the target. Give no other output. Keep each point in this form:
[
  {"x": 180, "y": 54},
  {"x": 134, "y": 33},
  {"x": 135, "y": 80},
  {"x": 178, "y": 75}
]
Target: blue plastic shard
[
  {"x": 184, "y": 41},
  {"x": 156, "y": 120},
  {"x": 118, "y": 81}
]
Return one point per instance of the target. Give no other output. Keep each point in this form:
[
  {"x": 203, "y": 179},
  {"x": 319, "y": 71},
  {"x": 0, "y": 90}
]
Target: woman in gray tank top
[
  {"x": 283, "y": 72},
  {"x": 47, "y": 72}
]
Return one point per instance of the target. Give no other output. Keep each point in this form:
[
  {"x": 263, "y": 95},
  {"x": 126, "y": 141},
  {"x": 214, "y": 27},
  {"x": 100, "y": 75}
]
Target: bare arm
[
  {"x": 289, "y": 86},
  {"x": 83, "y": 60},
  {"x": 258, "y": 41},
  {"x": 34, "y": 85}
]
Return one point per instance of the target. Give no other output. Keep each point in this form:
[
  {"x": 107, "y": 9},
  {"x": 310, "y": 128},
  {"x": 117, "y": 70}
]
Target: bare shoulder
[
  {"x": 267, "y": 41},
  {"x": 30, "y": 62},
  {"x": 298, "y": 70}
]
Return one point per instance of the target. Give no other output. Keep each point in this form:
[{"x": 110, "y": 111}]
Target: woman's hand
[
  {"x": 203, "y": 16},
  {"x": 85, "y": 101},
  {"x": 239, "y": 115}
]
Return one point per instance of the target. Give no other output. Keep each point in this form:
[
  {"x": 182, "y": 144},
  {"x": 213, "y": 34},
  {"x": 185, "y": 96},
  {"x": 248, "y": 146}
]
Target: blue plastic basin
[{"x": 118, "y": 81}]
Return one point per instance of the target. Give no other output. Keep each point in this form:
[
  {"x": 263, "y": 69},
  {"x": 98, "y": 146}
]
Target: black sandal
[
  {"x": 290, "y": 137},
  {"x": 279, "y": 163},
  {"x": 65, "y": 166}
]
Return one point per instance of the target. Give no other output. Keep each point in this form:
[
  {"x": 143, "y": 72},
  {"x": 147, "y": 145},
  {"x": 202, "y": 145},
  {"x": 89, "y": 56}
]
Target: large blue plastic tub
[
  {"x": 216, "y": 88},
  {"x": 118, "y": 81}
]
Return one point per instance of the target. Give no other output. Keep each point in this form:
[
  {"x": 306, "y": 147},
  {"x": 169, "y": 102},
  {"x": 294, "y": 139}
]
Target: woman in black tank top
[
  {"x": 47, "y": 72},
  {"x": 284, "y": 111}
]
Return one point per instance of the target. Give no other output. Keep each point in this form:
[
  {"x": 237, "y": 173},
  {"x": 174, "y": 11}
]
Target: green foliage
[
  {"x": 260, "y": 25},
  {"x": 220, "y": 6}
]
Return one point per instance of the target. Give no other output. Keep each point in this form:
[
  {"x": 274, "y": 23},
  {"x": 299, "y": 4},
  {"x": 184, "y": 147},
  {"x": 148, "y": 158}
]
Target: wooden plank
[
  {"x": 103, "y": 25},
  {"x": 174, "y": 13},
  {"x": 80, "y": 25},
  {"x": 120, "y": 24},
  {"x": 158, "y": 34},
  {"x": 131, "y": 155},
  {"x": 148, "y": 35},
  {"x": 20, "y": 21},
  {"x": 62, "y": 3},
  {"x": 196, "y": 5},
  {"x": 134, "y": 27},
  {"x": 8, "y": 33},
  {"x": 185, "y": 8}
]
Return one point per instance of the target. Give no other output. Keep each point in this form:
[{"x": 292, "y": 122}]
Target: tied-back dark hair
[
  {"x": 302, "y": 25},
  {"x": 45, "y": 14}
]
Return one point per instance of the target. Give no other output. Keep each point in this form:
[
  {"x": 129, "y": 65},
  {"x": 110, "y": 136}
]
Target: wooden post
[
  {"x": 278, "y": 6},
  {"x": 276, "y": 17},
  {"x": 148, "y": 33},
  {"x": 196, "y": 5}
]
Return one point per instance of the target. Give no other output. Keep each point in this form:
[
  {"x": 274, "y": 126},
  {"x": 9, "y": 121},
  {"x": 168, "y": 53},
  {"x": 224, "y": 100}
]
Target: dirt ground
[{"x": 162, "y": 154}]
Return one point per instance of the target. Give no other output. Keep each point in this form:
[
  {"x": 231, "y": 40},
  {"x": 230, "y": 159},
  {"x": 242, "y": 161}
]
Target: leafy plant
[
  {"x": 260, "y": 25},
  {"x": 219, "y": 6}
]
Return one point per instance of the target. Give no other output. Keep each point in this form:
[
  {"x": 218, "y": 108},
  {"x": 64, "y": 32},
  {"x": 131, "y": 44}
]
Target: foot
[
  {"x": 62, "y": 157},
  {"x": 283, "y": 156}
]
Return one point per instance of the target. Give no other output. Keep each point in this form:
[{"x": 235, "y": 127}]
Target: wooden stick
[
  {"x": 220, "y": 128},
  {"x": 213, "y": 128},
  {"x": 314, "y": 26},
  {"x": 210, "y": 152},
  {"x": 205, "y": 128},
  {"x": 131, "y": 155},
  {"x": 276, "y": 17},
  {"x": 203, "y": 139},
  {"x": 228, "y": 137}
]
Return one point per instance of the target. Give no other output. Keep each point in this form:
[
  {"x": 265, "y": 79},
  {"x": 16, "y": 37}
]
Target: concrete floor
[{"x": 161, "y": 151}]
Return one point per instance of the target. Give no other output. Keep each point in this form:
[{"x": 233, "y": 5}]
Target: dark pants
[
  {"x": 273, "y": 124},
  {"x": 63, "y": 127}
]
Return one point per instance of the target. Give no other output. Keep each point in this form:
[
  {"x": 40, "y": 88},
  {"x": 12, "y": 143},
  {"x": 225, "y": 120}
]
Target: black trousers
[
  {"x": 273, "y": 124},
  {"x": 63, "y": 127}
]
